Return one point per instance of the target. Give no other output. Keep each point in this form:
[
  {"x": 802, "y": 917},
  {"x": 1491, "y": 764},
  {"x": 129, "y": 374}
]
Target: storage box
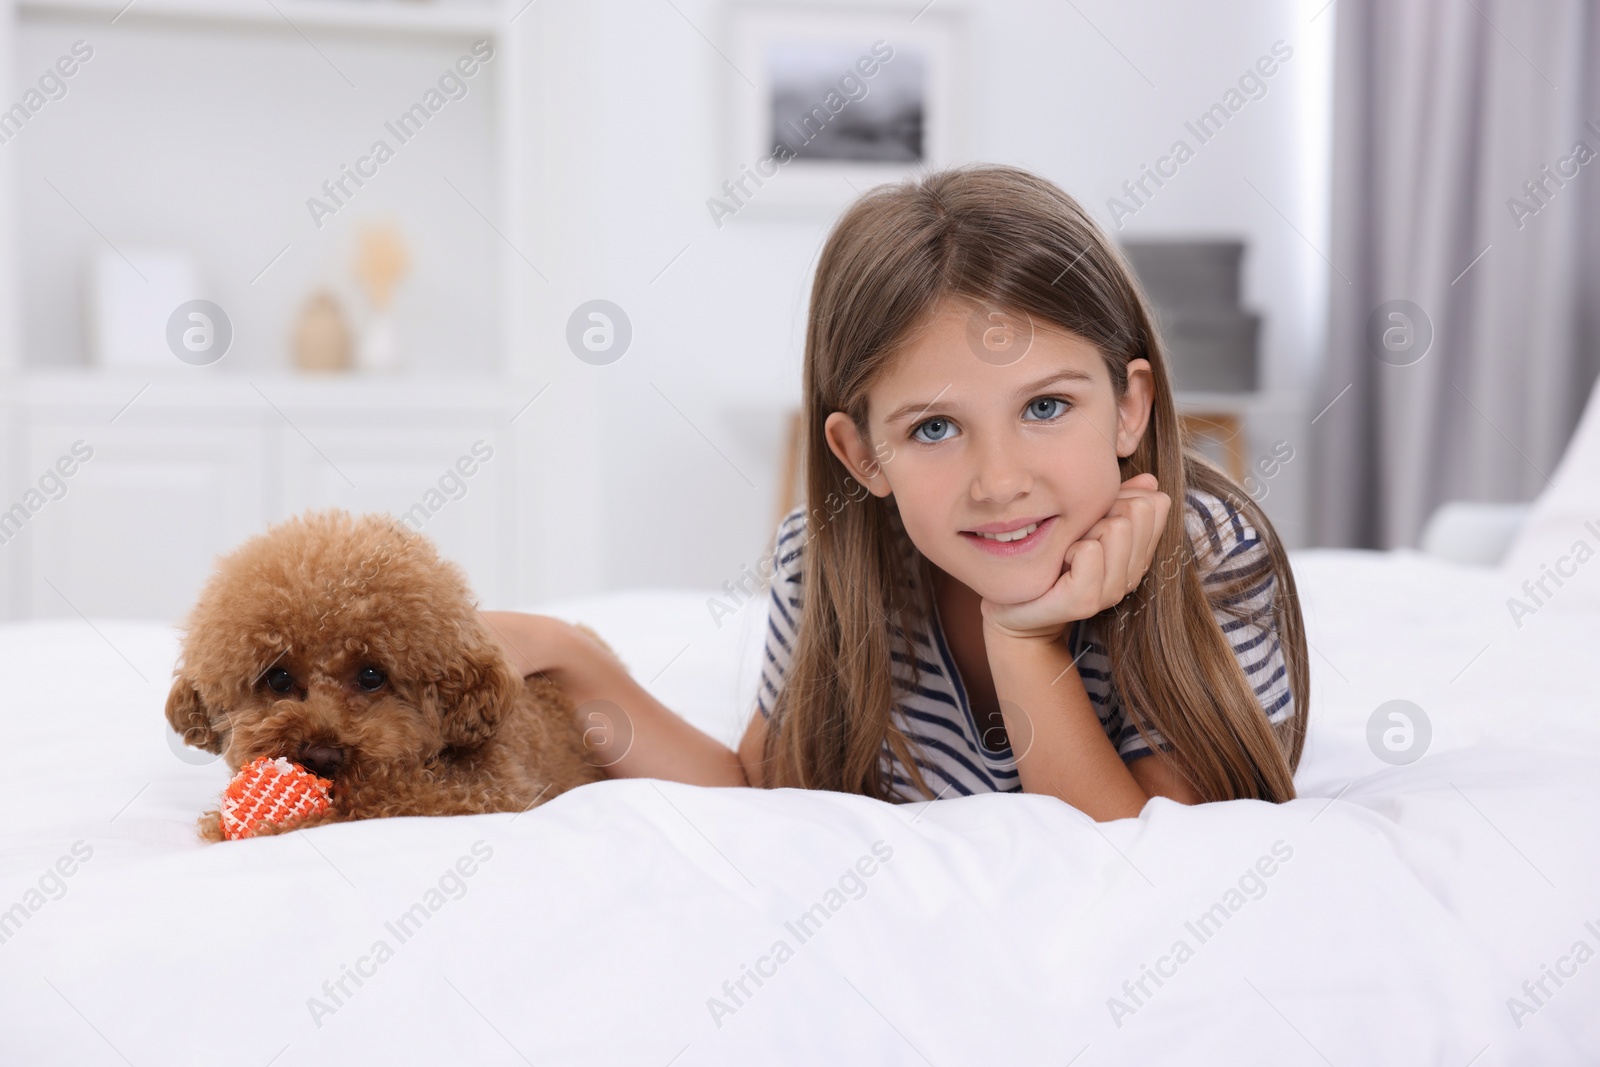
[{"x": 1194, "y": 286}]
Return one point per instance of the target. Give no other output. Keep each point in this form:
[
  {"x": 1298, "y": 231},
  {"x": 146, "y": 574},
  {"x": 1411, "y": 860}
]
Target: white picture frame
[
  {"x": 903, "y": 117},
  {"x": 131, "y": 295}
]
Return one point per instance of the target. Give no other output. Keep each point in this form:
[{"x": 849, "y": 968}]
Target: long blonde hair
[{"x": 1011, "y": 240}]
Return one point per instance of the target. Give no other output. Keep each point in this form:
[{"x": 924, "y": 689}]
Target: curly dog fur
[{"x": 349, "y": 646}]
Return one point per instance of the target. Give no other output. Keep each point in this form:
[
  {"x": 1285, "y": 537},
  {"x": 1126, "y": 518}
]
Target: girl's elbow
[{"x": 750, "y": 777}]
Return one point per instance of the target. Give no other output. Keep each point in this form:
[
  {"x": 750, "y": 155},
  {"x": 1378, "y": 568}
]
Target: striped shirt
[{"x": 933, "y": 710}]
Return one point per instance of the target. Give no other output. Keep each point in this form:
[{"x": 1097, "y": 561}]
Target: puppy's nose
[{"x": 322, "y": 760}]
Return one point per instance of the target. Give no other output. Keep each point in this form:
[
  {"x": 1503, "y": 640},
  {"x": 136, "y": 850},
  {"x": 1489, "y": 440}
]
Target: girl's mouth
[{"x": 1032, "y": 535}]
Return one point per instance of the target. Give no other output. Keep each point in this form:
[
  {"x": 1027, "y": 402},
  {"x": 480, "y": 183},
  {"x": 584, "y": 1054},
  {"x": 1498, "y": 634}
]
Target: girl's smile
[{"x": 1010, "y": 538}]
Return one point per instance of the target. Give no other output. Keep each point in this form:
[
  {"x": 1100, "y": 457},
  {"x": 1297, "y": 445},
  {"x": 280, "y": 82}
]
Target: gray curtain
[{"x": 1444, "y": 112}]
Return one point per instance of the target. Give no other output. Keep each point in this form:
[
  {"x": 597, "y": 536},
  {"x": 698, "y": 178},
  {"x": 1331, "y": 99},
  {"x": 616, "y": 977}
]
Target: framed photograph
[{"x": 826, "y": 102}]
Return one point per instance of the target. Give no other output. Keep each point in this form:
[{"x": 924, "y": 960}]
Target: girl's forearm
[
  {"x": 1064, "y": 751},
  {"x": 629, "y": 733}
]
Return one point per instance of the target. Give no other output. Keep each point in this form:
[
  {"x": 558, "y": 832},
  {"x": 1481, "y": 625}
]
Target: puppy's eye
[
  {"x": 278, "y": 680},
  {"x": 370, "y": 678}
]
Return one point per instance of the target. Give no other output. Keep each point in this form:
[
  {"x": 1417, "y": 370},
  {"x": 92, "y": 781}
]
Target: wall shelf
[
  {"x": 362, "y": 16},
  {"x": 166, "y": 66}
]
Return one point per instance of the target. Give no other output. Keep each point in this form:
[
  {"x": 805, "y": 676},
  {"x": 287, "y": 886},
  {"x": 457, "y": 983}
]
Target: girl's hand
[{"x": 1098, "y": 570}]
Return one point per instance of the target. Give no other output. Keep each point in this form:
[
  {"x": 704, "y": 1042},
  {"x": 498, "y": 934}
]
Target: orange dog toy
[{"x": 268, "y": 790}]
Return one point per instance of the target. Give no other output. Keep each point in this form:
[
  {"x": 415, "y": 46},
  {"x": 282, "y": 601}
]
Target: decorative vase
[{"x": 321, "y": 339}]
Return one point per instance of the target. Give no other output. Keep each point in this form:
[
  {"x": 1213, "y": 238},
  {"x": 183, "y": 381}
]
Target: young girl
[{"x": 989, "y": 588}]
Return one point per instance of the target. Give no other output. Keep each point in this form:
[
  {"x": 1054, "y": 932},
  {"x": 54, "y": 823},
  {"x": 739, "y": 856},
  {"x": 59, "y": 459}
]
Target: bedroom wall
[{"x": 666, "y": 462}]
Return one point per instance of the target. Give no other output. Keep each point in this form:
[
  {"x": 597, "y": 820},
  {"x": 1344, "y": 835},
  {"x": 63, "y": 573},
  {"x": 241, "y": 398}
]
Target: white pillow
[{"x": 1565, "y": 517}]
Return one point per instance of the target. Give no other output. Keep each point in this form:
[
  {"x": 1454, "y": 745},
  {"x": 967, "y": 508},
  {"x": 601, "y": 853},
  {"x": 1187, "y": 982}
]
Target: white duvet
[{"x": 1441, "y": 912}]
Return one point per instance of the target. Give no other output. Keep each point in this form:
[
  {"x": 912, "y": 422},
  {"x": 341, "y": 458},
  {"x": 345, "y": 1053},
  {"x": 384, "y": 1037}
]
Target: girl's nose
[{"x": 1000, "y": 475}]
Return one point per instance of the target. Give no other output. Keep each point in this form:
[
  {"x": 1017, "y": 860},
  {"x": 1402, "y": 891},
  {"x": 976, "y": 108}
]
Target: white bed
[{"x": 1405, "y": 907}]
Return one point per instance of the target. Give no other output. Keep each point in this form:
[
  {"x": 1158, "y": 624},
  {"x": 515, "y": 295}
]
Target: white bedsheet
[{"x": 1405, "y": 904}]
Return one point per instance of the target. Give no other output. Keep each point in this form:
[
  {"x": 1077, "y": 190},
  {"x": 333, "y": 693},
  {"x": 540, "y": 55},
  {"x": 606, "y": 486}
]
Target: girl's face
[{"x": 976, "y": 440}]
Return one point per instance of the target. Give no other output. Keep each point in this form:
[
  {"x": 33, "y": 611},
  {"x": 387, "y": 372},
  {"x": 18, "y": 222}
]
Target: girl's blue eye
[
  {"x": 1045, "y": 408},
  {"x": 936, "y": 427}
]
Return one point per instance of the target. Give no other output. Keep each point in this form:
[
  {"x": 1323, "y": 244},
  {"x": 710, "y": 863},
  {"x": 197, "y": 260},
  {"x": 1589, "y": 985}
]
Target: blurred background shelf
[
  {"x": 383, "y": 16},
  {"x": 207, "y": 129},
  {"x": 225, "y": 134}
]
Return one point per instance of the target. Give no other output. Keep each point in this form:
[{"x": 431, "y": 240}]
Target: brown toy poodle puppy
[{"x": 347, "y": 645}]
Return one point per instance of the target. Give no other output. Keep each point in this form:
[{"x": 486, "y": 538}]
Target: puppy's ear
[
  {"x": 187, "y": 715},
  {"x": 478, "y": 689}
]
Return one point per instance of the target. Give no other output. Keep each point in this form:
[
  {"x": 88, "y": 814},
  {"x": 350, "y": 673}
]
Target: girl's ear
[
  {"x": 845, "y": 442},
  {"x": 1133, "y": 410}
]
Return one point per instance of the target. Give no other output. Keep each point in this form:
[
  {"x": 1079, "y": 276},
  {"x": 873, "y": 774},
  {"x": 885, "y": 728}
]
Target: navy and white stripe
[{"x": 934, "y": 712}]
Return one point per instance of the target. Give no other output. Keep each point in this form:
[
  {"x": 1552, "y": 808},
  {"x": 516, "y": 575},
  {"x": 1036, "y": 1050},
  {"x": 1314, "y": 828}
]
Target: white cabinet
[
  {"x": 112, "y": 508},
  {"x": 141, "y": 517}
]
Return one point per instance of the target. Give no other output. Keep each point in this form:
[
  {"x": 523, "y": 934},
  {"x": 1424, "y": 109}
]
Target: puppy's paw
[{"x": 210, "y": 826}]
